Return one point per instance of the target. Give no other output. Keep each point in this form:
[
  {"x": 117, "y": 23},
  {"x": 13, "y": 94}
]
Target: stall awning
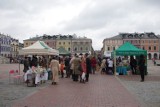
[
  {"x": 38, "y": 48},
  {"x": 129, "y": 49}
]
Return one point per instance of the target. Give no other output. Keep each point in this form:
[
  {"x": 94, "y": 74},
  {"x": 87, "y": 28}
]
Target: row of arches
[{"x": 155, "y": 56}]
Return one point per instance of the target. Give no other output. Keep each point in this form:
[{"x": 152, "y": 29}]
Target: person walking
[
  {"x": 93, "y": 64},
  {"x": 83, "y": 71},
  {"x": 103, "y": 66},
  {"x": 26, "y": 65},
  {"x": 62, "y": 66},
  {"x": 88, "y": 66},
  {"x": 133, "y": 64},
  {"x": 54, "y": 65},
  {"x": 67, "y": 67},
  {"x": 76, "y": 66},
  {"x": 72, "y": 65},
  {"x": 110, "y": 66},
  {"x": 142, "y": 67}
]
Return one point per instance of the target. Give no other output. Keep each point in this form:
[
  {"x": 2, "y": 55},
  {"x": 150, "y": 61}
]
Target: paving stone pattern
[{"x": 100, "y": 91}]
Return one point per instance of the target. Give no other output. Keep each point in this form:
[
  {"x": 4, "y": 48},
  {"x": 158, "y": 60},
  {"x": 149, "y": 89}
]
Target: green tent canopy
[
  {"x": 129, "y": 49},
  {"x": 62, "y": 51}
]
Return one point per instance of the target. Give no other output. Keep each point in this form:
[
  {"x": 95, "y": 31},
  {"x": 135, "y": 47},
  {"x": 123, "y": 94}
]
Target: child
[{"x": 62, "y": 68}]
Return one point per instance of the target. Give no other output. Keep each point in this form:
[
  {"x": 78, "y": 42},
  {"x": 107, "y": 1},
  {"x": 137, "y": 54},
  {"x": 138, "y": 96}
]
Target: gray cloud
[
  {"x": 107, "y": 13},
  {"x": 98, "y": 20},
  {"x": 97, "y": 16},
  {"x": 150, "y": 2}
]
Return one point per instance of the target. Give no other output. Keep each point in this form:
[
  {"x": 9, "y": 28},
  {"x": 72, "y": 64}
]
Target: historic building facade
[
  {"x": 71, "y": 43},
  {"x": 64, "y": 41},
  {"x": 49, "y": 40},
  {"x": 147, "y": 41},
  {"x": 110, "y": 44},
  {"x": 82, "y": 45},
  {"x": 14, "y": 48},
  {"x": 9, "y": 46}
]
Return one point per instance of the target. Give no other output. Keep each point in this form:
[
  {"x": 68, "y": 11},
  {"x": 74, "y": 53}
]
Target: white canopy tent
[{"x": 38, "y": 48}]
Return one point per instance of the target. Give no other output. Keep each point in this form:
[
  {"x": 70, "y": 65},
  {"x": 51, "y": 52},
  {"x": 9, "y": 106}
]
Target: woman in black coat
[
  {"x": 88, "y": 67},
  {"x": 142, "y": 67}
]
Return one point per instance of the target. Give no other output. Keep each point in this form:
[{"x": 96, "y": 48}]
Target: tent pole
[
  {"x": 114, "y": 63},
  {"x": 146, "y": 64}
]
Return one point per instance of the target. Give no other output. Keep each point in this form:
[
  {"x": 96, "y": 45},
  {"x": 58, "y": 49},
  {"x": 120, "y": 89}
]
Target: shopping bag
[{"x": 83, "y": 75}]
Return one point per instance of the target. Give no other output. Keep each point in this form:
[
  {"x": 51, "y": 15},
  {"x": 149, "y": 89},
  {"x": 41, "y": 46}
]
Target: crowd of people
[{"x": 79, "y": 67}]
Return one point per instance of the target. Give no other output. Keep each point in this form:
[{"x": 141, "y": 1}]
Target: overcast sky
[{"x": 95, "y": 19}]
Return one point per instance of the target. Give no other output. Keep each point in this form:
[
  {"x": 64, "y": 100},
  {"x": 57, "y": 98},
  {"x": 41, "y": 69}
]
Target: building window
[
  {"x": 63, "y": 43},
  {"x": 149, "y": 41},
  {"x": 154, "y": 41},
  {"x": 69, "y": 49},
  {"x": 81, "y": 48},
  {"x": 69, "y": 43},
  {"x": 149, "y": 48},
  {"x": 108, "y": 48},
  {"x": 143, "y": 48},
  {"x": 86, "y": 48},
  {"x": 75, "y": 49},
  {"x": 26, "y": 43},
  {"x": 113, "y": 48},
  {"x": 154, "y": 47},
  {"x": 59, "y": 43}
]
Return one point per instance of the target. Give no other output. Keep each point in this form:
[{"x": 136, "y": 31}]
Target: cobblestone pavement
[
  {"x": 147, "y": 92},
  {"x": 100, "y": 91}
]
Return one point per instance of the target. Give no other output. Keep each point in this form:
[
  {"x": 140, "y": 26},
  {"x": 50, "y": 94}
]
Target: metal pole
[{"x": 114, "y": 63}]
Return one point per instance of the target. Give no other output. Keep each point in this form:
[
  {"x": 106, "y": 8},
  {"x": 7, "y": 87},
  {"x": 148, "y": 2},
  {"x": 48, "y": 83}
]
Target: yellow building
[
  {"x": 70, "y": 43},
  {"x": 64, "y": 42}
]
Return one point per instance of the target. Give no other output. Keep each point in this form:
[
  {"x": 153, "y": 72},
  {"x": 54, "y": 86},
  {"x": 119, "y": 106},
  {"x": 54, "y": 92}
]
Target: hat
[
  {"x": 80, "y": 54},
  {"x": 86, "y": 54}
]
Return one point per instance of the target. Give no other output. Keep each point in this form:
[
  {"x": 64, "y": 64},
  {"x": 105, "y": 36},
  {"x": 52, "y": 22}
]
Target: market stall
[
  {"x": 38, "y": 48},
  {"x": 127, "y": 49}
]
